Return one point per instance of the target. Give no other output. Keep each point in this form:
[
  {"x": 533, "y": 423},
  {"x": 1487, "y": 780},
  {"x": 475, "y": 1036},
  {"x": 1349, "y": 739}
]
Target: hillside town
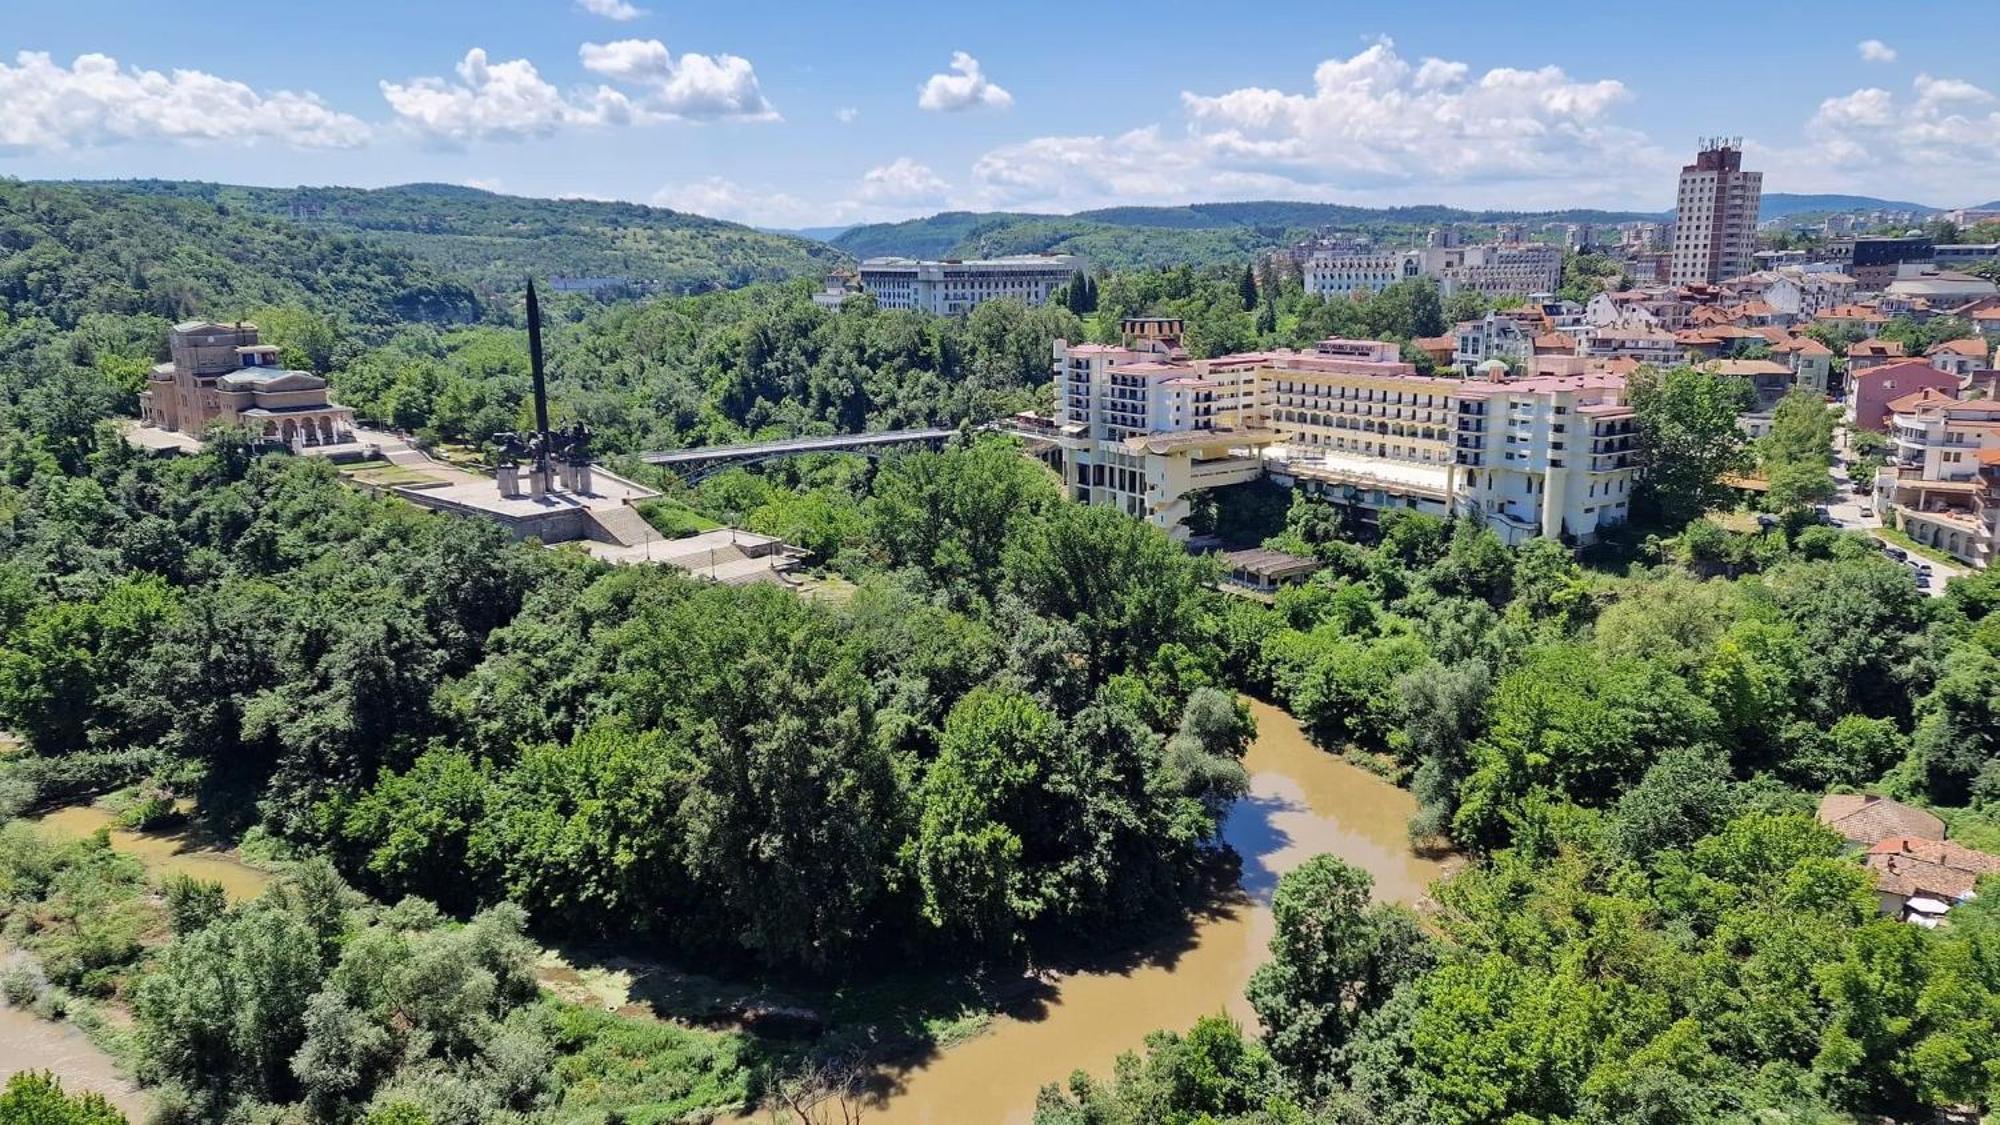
[{"x": 1270, "y": 584}]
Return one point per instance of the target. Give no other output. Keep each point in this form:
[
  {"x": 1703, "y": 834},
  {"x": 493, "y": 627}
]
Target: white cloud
[
  {"x": 1370, "y": 130},
  {"x": 902, "y": 181},
  {"x": 965, "y": 89},
  {"x": 846, "y": 114},
  {"x": 499, "y": 101},
  {"x": 693, "y": 87},
  {"x": 1874, "y": 50},
  {"x": 511, "y": 100},
  {"x": 1937, "y": 144},
  {"x": 95, "y": 101},
  {"x": 720, "y": 198},
  {"x": 619, "y": 10}
]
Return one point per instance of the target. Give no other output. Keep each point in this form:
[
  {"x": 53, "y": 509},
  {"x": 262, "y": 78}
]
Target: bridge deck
[{"x": 830, "y": 443}]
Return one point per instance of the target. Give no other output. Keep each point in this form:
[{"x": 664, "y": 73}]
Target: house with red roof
[
  {"x": 1960, "y": 357},
  {"x": 1874, "y": 388},
  {"x": 1864, "y": 354},
  {"x": 1918, "y": 880}
]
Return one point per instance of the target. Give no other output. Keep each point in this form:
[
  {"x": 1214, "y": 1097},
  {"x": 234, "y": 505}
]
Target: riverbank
[
  {"x": 1302, "y": 802},
  {"x": 28, "y": 1042}
]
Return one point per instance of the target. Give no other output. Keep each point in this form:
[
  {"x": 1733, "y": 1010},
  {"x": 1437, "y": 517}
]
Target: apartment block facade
[
  {"x": 1715, "y": 218},
  {"x": 1506, "y": 270},
  {"x": 1350, "y": 421},
  {"x": 952, "y": 288},
  {"x": 1941, "y": 485}
]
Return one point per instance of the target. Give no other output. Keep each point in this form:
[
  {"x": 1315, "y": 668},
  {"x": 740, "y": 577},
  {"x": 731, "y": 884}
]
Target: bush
[{"x": 22, "y": 981}]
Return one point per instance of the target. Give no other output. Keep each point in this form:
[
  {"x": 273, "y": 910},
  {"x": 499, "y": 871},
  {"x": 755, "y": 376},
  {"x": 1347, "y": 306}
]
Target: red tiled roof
[
  {"x": 1973, "y": 347},
  {"x": 1873, "y": 348},
  {"x": 1866, "y": 818},
  {"x": 1918, "y": 400},
  {"x": 1912, "y": 865}
]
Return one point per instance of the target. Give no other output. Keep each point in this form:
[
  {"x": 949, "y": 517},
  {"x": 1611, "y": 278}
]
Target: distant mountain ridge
[
  {"x": 1194, "y": 234},
  {"x": 1779, "y": 205},
  {"x": 497, "y": 239}
]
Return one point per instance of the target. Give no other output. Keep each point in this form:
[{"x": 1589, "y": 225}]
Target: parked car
[
  {"x": 1896, "y": 553},
  {"x": 1866, "y": 511}
]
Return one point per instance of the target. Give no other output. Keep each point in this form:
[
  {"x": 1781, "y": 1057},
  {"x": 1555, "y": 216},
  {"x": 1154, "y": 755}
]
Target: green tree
[
  {"x": 1688, "y": 440},
  {"x": 38, "y": 1099},
  {"x": 1334, "y": 960},
  {"x": 1796, "y": 454}
]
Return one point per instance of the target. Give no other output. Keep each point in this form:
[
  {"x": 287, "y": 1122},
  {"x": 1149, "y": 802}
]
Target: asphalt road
[{"x": 1856, "y": 512}]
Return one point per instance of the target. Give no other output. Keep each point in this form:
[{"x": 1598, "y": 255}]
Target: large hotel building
[
  {"x": 949, "y": 288},
  {"x": 1139, "y": 428},
  {"x": 1510, "y": 269}
]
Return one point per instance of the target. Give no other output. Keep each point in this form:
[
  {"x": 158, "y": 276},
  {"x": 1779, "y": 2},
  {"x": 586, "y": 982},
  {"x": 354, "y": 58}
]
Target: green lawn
[
  {"x": 1901, "y": 539},
  {"x": 388, "y": 476}
]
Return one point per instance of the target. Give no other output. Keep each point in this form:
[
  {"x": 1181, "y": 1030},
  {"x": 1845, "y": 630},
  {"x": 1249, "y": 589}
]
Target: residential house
[
  {"x": 1864, "y": 354},
  {"x": 1918, "y": 880},
  {"x": 1866, "y": 819},
  {"x": 1840, "y": 318},
  {"x": 1873, "y": 389},
  {"x": 1495, "y": 336},
  {"x": 1959, "y": 357},
  {"x": 1811, "y": 361},
  {"x": 1647, "y": 345}
]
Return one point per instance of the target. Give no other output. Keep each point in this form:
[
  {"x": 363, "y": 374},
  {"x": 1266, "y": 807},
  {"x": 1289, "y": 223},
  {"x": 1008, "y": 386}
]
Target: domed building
[{"x": 222, "y": 373}]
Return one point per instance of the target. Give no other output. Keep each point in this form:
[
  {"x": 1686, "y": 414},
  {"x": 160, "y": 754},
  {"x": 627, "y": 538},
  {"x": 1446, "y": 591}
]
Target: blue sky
[{"x": 821, "y": 113}]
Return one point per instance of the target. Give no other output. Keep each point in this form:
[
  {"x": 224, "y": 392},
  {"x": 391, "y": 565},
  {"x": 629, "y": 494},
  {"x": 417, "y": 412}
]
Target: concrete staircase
[{"x": 622, "y": 525}]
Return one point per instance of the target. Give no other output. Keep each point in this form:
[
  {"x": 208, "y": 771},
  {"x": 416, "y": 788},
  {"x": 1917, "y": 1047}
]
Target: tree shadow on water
[{"x": 1252, "y": 830}]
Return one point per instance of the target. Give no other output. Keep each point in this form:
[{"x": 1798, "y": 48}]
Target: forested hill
[
  {"x": 497, "y": 239},
  {"x": 67, "y": 252},
  {"x": 1779, "y": 205},
  {"x": 1197, "y": 234}
]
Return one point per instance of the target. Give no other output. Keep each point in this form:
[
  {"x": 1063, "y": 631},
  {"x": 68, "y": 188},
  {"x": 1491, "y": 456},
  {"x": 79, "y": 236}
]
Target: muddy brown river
[
  {"x": 28, "y": 1043},
  {"x": 1302, "y": 802}
]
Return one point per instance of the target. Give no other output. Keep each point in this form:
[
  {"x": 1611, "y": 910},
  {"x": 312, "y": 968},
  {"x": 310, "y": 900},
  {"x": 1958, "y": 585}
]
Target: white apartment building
[
  {"x": 952, "y": 288},
  {"x": 1511, "y": 270},
  {"x": 1715, "y": 217},
  {"x": 1550, "y": 456},
  {"x": 1336, "y": 274},
  {"x": 1138, "y": 432},
  {"x": 1350, "y": 421},
  {"x": 1493, "y": 337},
  {"x": 1521, "y": 270},
  {"x": 1939, "y": 485}
]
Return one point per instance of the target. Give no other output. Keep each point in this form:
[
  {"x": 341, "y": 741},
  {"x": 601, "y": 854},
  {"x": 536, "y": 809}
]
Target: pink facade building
[{"x": 1877, "y": 387}]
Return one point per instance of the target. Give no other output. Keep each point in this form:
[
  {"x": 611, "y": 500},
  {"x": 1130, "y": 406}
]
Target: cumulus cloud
[
  {"x": 95, "y": 101},
  {"x": 1941, "y": 137},
  {"x": 1874, "y": 50},
  {"x": 719, "y": 198},
  {"x": 693, "y": 86},
  {"x": 512, "y": 101},
  {"x": 1370, "y": 128},
  {"x": 619, "y": 10},
  {"x": 499, "y": 101},
  {"x": 902, "y": 181},
  {"x": 965, "y": 87},
  {"x": 846, "y": 114}
]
